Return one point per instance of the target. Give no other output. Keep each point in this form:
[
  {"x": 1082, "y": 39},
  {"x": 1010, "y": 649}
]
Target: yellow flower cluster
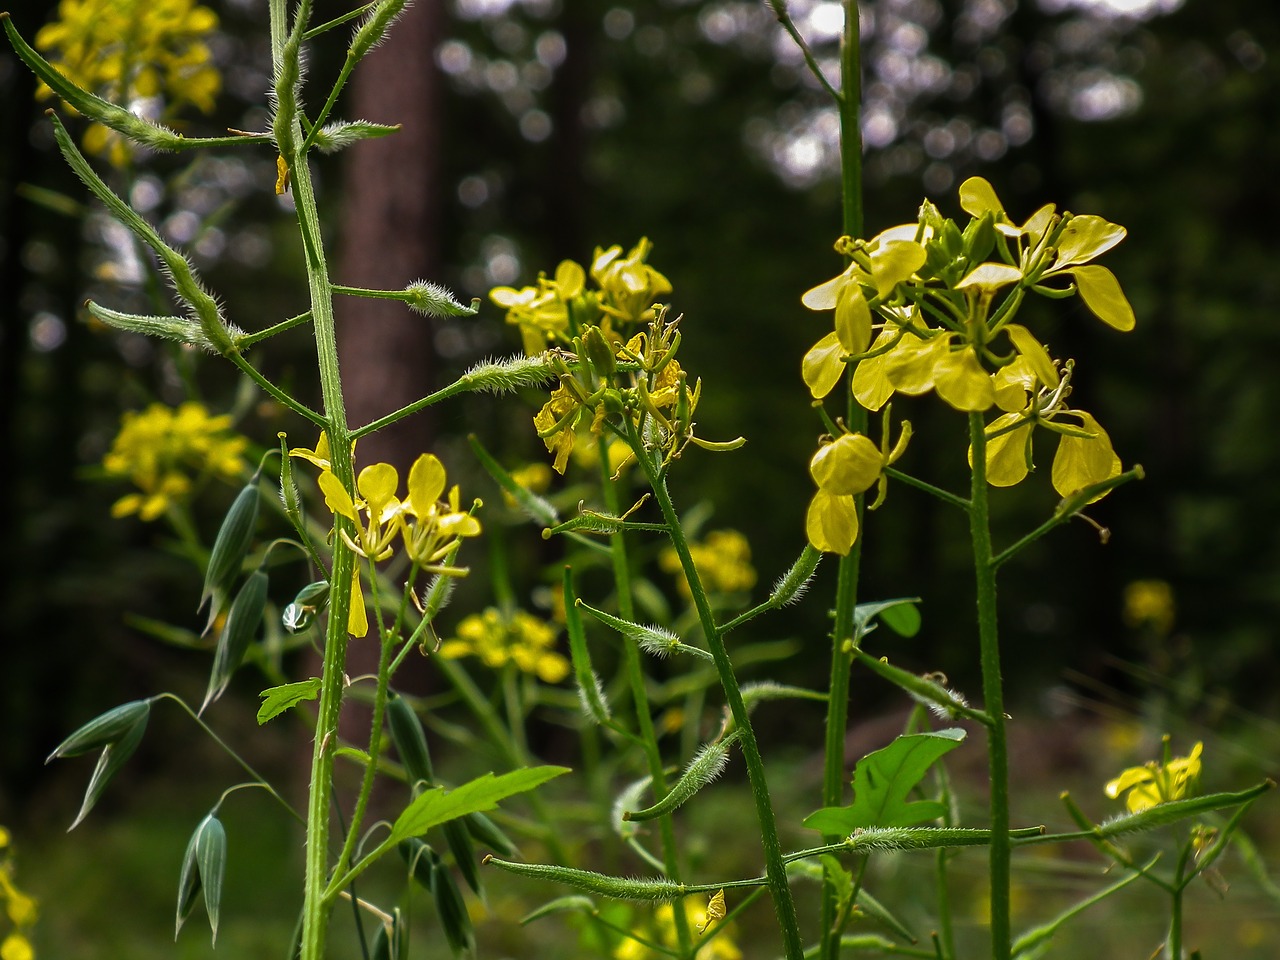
[
  {"x": 519, "y": 638},
  {"x": 700, "y": 915},
  {"x": 920, "y": 308},
  {"x": 161, "y": 448},
  {"x": 556, "y": 309},
  {"x": 723, "y": 561},
  {"x": 428, "y": 525},
  {"x": 124, "y": 50},
  {"x": 1158, "y": 782},
  {"x": 19, "y": 907}
]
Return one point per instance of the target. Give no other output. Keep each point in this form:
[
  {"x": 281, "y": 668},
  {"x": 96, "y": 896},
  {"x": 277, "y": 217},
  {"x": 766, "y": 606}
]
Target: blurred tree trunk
[
  {"x": 390, "y": 234},
  {"x": 390, "y": 237}
]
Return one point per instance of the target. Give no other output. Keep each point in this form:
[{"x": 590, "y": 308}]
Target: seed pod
[{"x": 619, "y": 888}]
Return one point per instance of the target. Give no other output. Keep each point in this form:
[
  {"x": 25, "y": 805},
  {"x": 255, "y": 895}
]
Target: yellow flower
[
  {"x": 1149, "y": 603},
  {"x": 428, "y": 526},
  {"x": 126, "y": 50},
  {"x": 843, "y": 468},
  {"x": 16, "y": 947},
  {"x": 723, "y": 561},
  {"x": 542, "y": 312},
  {"x": 629, "y": 286},
  {"x": 163, "y": 450},
  {"x": 1158, "y": 782},
  {"x": 534, "y": 477},
  {"x": 520, "y": 638}
]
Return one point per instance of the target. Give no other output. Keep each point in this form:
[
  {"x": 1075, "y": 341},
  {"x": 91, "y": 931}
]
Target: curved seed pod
[
  {"x": 619, "y": 888},
  {"x": 706, "y": 765}
]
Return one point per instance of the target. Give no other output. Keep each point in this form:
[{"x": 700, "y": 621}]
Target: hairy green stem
[
  {"x": 639, "y": 696},
  {"x": 992, "y": 690},
  {"x": 833, "y": 777},
  {"x": 775, "y": 868}
]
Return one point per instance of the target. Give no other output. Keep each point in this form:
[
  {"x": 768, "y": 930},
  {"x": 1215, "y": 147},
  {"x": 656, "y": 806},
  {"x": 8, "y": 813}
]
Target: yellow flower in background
[
  {"x": 520, "y": 638},
  {"x": 1158, "y": 782},
  {"x": 19, "y": 907},
  {"x": 542, "y": 312},
  {"x": 164, "y": 451},
  {"x": 629, "y": 286},
  {"x": 1149, "y": 603},
  {"x": 699, "y": 915},
  {"x": 128, "y": 50},
  {"x": 534, "y": 477},
  {"x": 723, "y": 561}
]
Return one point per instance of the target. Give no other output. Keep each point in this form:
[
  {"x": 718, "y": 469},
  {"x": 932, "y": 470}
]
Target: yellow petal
[
  {"x": 1013, "y": 383},
  {"x": 1086, "y": 237},
  {"x": 847, "y": 466},
  {"x": 1038, "y": 223},
  {"x": 977, "y": 197},
  {"x": 570, "y": 278},
  {"x": 910, "y": 365},
  {"x": 426, "y": 483},
  {"x": 990, "y": 276},
  {"x": 895, "y": 261},
  {"x": 336, "y": 497},
  {"x": 822, "y": 365},
  {"x": 357, "y": 621},
  {"x": 1007, "y": 453},
  {"x": 832, "y": 523},
  {"x": 871, "y": 384},
  {"x": 960, "y": 381},
  {"x": 1082, "y": 461},
  {"x": 1127, "y": 780},
  {"x": 853, "y": 319},
  {"x": 1034, "y": 353},
  {"x": 377, "y": 483},
  {"x": 825, "y": 295},
  {"x": 1101, "y": 293}
]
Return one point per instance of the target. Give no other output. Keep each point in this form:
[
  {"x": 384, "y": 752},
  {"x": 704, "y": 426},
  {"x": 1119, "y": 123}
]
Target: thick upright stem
[
  {"x": 639, "y": 696},
  {"x": 992, "y": 690},
  {"x": 775, "y": 867},
  {"x": 856, "y": 419}
]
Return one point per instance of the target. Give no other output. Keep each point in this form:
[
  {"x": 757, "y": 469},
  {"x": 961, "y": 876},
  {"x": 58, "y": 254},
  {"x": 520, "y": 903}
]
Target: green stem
[
  {"x": 775, "y": 868},
  {"x": 992, "y": 690},
  {"x": 842, "y": 639},
  {"x": 249, "y": 339},
  {"x": 639, "y": 696}
]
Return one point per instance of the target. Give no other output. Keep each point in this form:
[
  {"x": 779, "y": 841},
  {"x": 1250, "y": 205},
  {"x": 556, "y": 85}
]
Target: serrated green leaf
[
  {"x": 882, "y": 781},
  {"x": 103, "y": 729},
  {"x": 110, "y": 761},
  {"x": 438, "y": 805},
  {"x": 238, "y": 632},
  {"x": 276, "y": 700}
]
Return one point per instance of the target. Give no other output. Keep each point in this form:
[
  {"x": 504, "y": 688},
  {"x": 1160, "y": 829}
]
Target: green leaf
[
  {"x": 238, "y": 632},
  {"x": 899, "y": 615},
  {"x": 232, "y": 543},
  {"x": 438, "y": 805},
  {"x": 877, "y": 911},
  {"x": 110, "y": 761},
  {"x": 103, "y": 729},
  {"x": 882, "y": 781},
  {"x": 532, "y": 504},
  {"x": 276, "y": 700},
  {"x": 1101, "y": 293}
]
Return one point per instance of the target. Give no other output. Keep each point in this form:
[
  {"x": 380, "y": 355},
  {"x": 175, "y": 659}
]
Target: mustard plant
[{"x": 927, "y": 306}]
